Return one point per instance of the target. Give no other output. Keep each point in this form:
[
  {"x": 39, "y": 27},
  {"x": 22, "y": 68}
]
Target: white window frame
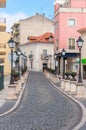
[
  {"x": 71, "y": 20},
  {"x": 45, "y": 52},
  {"x": 71, "y": 43}
]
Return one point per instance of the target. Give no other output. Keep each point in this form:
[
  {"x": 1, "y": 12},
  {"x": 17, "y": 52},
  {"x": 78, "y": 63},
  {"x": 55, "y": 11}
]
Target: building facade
[
  {"x": 2, "y": 3},
  {"x": 4, "y": 48},
  {"x": 32, "y": 26},
  {"x": 82, "y": 31},
  {"x": 39, "y": 51},
  {"x": 69, "y": 16},
  {"x": 4, "y": 52}
]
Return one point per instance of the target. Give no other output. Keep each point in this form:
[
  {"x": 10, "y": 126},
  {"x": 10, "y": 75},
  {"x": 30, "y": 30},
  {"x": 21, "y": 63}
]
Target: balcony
[
  {"x": 31, "y": 56},
  {"x": 2, "y": 3},
  {"x": 16, "y": 25},
  {"x": 2, "y": 53},
  {"x": 44, "y": 57},
  {"x": 2, "y": 60},
  {"x": 16, "y": 32}
]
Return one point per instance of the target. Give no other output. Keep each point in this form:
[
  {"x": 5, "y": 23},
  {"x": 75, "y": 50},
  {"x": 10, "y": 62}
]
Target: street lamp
[
  {"x": 63, "y": 54},
  {"x": 19, "y": 70},
  {"x": 25, "y": 61},
  {"x": 56, "y": 63},
  {"x": 11, "y": 44},
  {"x": 50, "y": 60},
  {"x": 80, "y": 44}
]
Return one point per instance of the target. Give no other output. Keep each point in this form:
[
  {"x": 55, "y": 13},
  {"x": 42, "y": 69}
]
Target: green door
[{"x": 1, "y": 77}]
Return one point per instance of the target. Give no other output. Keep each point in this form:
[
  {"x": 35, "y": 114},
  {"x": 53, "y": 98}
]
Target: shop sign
[{"x": 84, "y": 61}]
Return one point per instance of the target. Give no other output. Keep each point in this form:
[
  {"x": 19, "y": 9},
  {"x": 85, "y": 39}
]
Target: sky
[{"x": 21, "y": 9}]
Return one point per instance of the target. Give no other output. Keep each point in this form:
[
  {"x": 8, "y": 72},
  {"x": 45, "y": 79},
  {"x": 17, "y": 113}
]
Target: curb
[
  {"x": 18, "y": 100},
  {"x": 80, "y": 105}
]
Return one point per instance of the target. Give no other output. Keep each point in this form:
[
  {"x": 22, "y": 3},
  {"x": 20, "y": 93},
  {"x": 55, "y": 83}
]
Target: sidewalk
[
  {"x": 7, "y": 106},
  {"x": 3, "y": 92},
  {"x": 82, "y": 101}
]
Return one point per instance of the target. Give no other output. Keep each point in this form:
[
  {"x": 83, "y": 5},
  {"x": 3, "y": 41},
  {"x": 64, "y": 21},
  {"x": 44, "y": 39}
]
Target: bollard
[
  {"x": 62, "y": 84},
  {"x": 12, "y": 92},
  {"x": 67, "y": 86},
  {"x": 73, "y": 87},
  {"x": 81, "y": 91}
]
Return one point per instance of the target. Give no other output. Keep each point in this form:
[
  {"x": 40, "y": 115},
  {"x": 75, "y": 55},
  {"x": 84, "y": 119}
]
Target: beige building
[
  {"x": 32, "y": 26},
  {"x": 39, "y": 51}
]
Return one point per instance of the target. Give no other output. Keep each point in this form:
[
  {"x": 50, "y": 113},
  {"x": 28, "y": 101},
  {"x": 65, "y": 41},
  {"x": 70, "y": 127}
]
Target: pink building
[{"x": 69, "y": 16}]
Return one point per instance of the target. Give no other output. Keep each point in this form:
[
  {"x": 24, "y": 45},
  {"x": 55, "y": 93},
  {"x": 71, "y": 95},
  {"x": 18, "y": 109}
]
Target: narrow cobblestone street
[{"x": 42, "y": 108}]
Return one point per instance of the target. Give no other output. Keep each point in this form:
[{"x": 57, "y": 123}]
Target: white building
[{"x": 39, "y": 51}]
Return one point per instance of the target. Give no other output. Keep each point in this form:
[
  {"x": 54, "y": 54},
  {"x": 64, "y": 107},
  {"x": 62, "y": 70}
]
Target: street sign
[{"x": 14, "y": 56}]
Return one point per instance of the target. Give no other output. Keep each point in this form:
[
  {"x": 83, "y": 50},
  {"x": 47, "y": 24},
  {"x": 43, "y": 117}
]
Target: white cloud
[{"x": 12, "y": 18}]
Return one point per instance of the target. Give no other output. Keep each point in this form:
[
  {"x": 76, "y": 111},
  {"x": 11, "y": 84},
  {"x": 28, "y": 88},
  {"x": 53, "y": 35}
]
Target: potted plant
[
  {"x": 73, "y": 74},
  {"x": 67, "y": 75},
  {"x": 15, "y": 75}
]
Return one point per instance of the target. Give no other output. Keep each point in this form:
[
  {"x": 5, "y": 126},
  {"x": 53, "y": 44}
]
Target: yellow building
[
  {"x": 4, "y": 51},
  {"x": 4, "y": 48},
  {"x": 4, "y": 37},
  {"x": 2, "y": 3}
]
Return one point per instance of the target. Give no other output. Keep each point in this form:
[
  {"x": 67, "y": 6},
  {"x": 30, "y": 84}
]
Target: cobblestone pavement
[
  {"x": 42, "y": 108},
  {"x": 7, "y": 106}
]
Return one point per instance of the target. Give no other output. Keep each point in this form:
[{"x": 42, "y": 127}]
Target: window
[
  {"x": 2, "y": 20},
  {"x": 24, "y": 52},
  {"x": 71, "y": 22},
  {"x": 2, "y": 53},
  {"x": 44, "y": 52},
  {"x": 71, "y": 43},
  {"x": 31, "y": 52},
  {"x": 2, "y": 60},
  {"x": 51, "y": 39},
  {"x": 2, "y": 45}
]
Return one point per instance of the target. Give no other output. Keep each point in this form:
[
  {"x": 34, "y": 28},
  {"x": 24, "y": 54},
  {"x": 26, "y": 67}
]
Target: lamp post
[
  {"x": 19, "y": 70},
  {"x": 25, "y": 61},
  {"x": 12, "y": 46},
  {"x": 50, "y": 60},
  {"x": 56, "y": 63},
  {"x": 63, "y": 54},
  {"x": 80, "y": 44}
]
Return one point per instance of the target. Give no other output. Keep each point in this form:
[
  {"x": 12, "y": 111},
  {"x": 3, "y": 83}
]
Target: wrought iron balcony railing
[
  {"x": 44, "y": 57},
  {"x": 31, "y": 56}
]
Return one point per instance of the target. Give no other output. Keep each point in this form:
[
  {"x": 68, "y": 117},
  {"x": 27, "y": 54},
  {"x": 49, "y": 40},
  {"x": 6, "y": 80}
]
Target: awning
[{"x": 68, "y": 55}]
